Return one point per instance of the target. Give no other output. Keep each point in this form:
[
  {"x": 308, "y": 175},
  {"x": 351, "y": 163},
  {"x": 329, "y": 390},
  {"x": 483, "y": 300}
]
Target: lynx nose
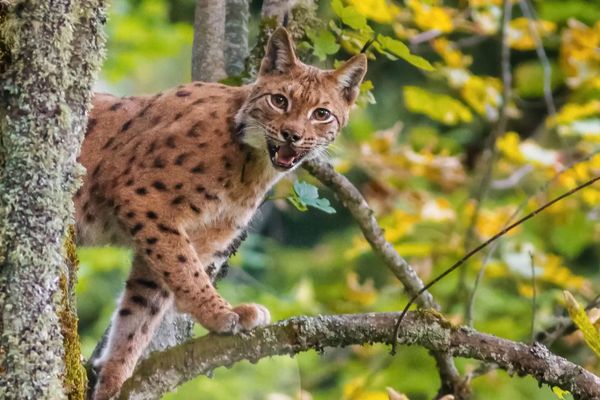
[{"x": 290, "y": 135}]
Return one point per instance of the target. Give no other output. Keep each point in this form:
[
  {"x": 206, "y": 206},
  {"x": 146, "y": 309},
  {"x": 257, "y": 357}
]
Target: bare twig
[
  {"x": 363, "y": 215},
  {"x": 543, "y": 188},
  {"x": 492, "y": 239},
  {"x": 513, "y": 180},
  {"x": 533, "y": 297},
  {"x": 541, "y": 53},
  {"x": 164, "y": 371}
]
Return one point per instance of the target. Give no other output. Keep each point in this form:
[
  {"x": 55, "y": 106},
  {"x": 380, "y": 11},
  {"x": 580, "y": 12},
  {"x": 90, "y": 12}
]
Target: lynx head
[{"x": 295, "y": 110}]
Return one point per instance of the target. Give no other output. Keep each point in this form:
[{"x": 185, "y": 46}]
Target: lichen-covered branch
[
  {"x": 162, "y": 372},
  {"x": 354, "y": 201},
  {"x": 46, "y": 88},
  {"x": 208, "y": 59}
]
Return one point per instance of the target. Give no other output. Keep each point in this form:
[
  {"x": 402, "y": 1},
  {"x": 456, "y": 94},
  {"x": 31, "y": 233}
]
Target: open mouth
[{"x": 284, "y": 157}]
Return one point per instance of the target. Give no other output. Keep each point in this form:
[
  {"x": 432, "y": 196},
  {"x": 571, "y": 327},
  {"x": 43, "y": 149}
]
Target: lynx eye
[
  {"x": 279, "y": 101},
  {"x": 321, "y": 114}
]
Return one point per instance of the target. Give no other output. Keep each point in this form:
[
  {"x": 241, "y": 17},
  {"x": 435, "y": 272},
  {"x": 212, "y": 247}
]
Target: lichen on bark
[{"x": 54, "y": 52}]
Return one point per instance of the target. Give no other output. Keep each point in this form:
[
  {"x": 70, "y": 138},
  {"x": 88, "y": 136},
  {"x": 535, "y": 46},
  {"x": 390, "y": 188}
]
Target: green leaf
[
  {"x": 559, "y": 392},
  {"x": 399, "y": 49},
  {"x": 581, "y": 319},
  {"x": 573, "y": 235},
  {"x": 305, "y": 195},
  {"x": 324, "y": 43},
  {"x": 350, "y": 16}
]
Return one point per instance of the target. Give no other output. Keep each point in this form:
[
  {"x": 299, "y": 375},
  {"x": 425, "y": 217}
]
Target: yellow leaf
[
  {"x": 483, "y": 3},
  {"x": 381, "y": 11},
  {"x": 572, "y": 111},
  {"x": 362, "y": 294},
  {"x": 519, "y": 32},
  {"x": 354, "y": 390},
  {"x": 581, "y": 319},
  {"x": 414, "y": 249},
  {"x": 450, "y": 54},
  {"x": 509, "y": 146},
  {"x": 439, "y": 107},
  {"x": 483, "y": 94},
  {"x": 438, "y": 210},
  {"x": 579, "y": 56},
  {"x": 492, "y": 221},
  {"x": 557, "y": 273},
  {"x": 525, "y": 290},
  {"x": 428, "y": 17}
]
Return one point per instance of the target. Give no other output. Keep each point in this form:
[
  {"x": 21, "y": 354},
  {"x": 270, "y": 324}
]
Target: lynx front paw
[
  {"x": 241, "y": 318},
  {"x": 252, "y": 315}
]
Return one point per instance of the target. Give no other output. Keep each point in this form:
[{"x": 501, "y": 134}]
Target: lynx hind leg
[{"x": 139, "y": 313}]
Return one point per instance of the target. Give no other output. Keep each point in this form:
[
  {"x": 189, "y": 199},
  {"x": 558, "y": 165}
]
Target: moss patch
[{"x": 74, "y": 378}]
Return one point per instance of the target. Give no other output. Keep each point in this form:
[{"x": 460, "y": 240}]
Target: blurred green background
[{"x": 415, "y": 148}]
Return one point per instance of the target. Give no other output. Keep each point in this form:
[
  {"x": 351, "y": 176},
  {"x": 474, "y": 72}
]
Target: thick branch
[
  {"x": 164, "y": 371},
  {"x": 354, "y": 201}
]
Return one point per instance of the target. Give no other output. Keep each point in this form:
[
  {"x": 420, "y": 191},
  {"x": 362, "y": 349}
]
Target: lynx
[{"x": 177, "y": 177}]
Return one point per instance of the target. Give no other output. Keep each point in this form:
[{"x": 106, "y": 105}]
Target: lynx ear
[
  {"x": 280, "y": 56},
  {"x": 350, "y": 75}
]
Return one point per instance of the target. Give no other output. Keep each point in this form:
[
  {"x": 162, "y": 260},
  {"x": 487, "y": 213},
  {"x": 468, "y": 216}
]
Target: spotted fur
[{"x": 177, "y": 177}]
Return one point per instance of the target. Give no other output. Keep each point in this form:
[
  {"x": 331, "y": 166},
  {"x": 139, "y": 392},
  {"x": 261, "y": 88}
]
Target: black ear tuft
[
  {"x": 350, "y": 76},
  {"x": 279, "y": 57}
]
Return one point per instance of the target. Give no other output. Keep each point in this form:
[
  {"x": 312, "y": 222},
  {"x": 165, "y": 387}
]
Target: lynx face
[{"x": 295, "y": 110}]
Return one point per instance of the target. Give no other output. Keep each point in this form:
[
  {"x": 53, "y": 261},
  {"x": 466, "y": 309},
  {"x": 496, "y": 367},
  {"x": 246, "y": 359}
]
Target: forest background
[{"x": 443, "y": 162}]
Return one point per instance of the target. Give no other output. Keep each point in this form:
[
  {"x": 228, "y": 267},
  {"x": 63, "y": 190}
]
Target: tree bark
[
  {"x": 208, "y": 59},
  {"x": 55, "y": 49},
  {"x": 236, "y": 36}
]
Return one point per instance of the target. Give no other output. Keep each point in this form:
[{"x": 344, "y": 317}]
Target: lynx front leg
[
  {"x": 169, "y": 252},
  {"x": 213, "y": 254},
  {"x": 140, "y": 310}
]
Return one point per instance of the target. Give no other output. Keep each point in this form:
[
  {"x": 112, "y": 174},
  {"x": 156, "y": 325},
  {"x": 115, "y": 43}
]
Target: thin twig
[
  {"x": 541, "y": 53},
  {"x": 533, "y": 297},
  {"x": 487, "y": 242},
  {"x": 543, "y": 188},
  {"x": 471, "y": 303}
]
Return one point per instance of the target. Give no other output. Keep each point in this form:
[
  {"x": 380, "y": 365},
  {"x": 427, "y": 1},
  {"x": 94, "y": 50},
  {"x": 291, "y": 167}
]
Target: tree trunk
[
  {"x": 236, "y": 36},
  {"x": 208, "y": 59},
  {"x": 54, "y": 50}
]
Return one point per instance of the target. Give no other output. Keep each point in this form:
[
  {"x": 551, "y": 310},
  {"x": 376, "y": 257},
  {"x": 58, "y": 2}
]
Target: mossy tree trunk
[{"x": 54, "y": 51}]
